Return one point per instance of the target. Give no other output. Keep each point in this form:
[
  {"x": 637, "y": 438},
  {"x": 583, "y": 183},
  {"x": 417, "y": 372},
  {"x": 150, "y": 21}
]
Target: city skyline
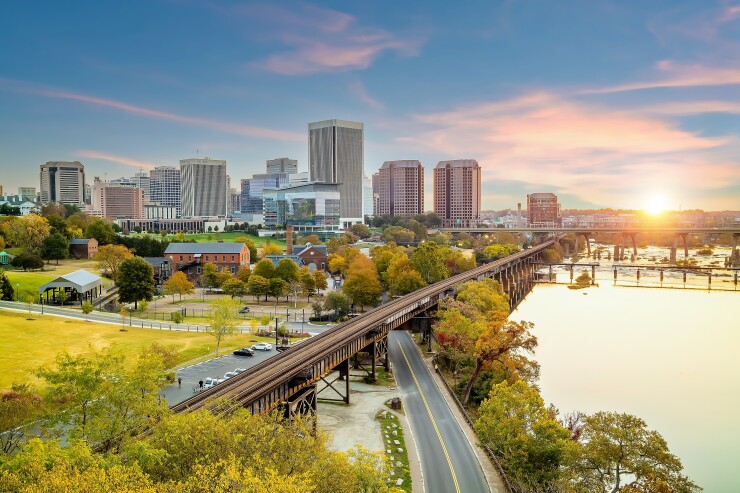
[{"x": 606, "y": 105}]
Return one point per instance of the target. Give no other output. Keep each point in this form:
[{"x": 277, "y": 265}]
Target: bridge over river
[{"x": 289, "y": 379}]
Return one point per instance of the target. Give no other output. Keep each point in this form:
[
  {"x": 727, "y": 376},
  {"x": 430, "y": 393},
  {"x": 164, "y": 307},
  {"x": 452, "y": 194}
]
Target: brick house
[
  {"x": 314, "y": 256},
  {"x": 191, "y": 257},
  {"x": 83, "y": 248}
]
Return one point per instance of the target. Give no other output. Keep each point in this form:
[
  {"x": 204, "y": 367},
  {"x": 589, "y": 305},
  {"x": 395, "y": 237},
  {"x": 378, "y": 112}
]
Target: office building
[
  {"x": 457, "y": 193},
  {"x": 117, "y": 202},
  {"x": 62, "y": 182},
  {"x": 543, "y": 210},
  {"x": 164, "y": 186},
  {"x": 282, "y": 165},
  {"x": 26, "y": 193},
  {"x": 400, "y": 186},
  {"x": 367, "y": 197},
  {"x": 191, "y": 257},
  {"x": 307, "y": 207},
  {"x": 252, "y": 190},
  {"x": 203, "y": 187},
  {"x": 336, "y": 155}
]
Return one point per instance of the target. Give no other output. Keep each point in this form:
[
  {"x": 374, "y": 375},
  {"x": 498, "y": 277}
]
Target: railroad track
[{"x": 263, "y": 377}]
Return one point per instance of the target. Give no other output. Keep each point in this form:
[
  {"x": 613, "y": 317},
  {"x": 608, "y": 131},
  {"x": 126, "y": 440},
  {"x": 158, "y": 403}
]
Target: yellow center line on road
[{"x": 434, "y": 423}]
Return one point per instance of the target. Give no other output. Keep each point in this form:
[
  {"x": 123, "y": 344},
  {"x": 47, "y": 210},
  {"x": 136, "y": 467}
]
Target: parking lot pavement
[{"x": 215, "y": 367}]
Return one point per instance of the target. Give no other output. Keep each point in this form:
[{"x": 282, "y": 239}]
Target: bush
[{"x": 177, "y": 317}]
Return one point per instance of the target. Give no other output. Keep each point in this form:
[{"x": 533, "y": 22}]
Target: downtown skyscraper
[
  {"x": 400, "y": 186},
  {"x": 336, "y": 155},
  {"x": 457, "y": 193},
  {"x": 203, "y": 189},
  {"x": 62, "y": 182},
  {"x": 164, "y": 186}
]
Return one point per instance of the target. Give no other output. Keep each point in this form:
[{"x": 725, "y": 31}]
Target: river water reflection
[{"x": 669, "y": 356}]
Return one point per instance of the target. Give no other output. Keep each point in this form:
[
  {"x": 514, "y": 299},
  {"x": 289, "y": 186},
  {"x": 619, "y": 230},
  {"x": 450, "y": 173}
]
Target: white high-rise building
[
  {"x": 26, "y": 193},
  {"x": 62, "y": 182},
  {"x": 203, "y": 189},
  {"x": 336, "y": 155},
  {"x": 367, "y": 197},
  {"x": 164, "y": 186}
]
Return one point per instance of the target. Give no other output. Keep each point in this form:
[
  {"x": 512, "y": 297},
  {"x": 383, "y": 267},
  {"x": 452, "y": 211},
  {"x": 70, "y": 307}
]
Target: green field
[
  {"x": 27, "y": 344},
  {"x": 29, "y": 282},
  {"x": 226, "y": 237}
]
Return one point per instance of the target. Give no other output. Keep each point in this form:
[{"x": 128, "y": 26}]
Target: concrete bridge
[
  {"x": 289, "y": 379},
  {"x": 627, "y": 232}
]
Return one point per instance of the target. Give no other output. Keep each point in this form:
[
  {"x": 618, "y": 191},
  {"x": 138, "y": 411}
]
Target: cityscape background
[{"x": 613, "y": 106}]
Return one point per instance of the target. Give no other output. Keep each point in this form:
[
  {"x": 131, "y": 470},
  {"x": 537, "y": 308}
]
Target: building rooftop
[
  {"x": 177, "y": 248},
  {"x": 79, "y": 241},
  {"x": 404, "y": 163},
  {"x": 458, "y": 163},
  {"x": 81, "y": 280}
]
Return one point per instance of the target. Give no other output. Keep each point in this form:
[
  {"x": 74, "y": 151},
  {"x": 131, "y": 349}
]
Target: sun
[{"x": 656, "y": 204}]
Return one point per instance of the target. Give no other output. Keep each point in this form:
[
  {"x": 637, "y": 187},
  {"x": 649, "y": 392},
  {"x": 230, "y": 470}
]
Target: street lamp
[{"x": 276, "y": 332}]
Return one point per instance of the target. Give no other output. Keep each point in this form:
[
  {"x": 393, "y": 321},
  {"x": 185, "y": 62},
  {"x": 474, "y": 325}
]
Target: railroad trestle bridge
[{"x": 289, "y": 379}]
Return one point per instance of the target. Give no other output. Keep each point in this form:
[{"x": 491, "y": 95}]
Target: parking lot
[{"x": 216, "y": 367}]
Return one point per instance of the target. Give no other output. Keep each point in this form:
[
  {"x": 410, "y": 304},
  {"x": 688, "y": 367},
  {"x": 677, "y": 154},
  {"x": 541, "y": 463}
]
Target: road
[{"x": 448, "y": 461}]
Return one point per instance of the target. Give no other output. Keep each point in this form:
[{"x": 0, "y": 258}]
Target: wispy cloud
[
  {"x": 228, "y": 127},
  {"x": 115, "y": 158},
  {"x": 358, "y": 89},
  {"x": 323, "y": 40},
  {"x": 730, "y": 13},
  {"x": 677, "y": 75}
]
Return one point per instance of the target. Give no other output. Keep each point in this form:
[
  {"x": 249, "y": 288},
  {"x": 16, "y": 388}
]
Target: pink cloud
[
  {"x": 324, "y": 40},
  {"x": 114, "y": 158},
  {"x": 228, "y": 127},
  {"x": 730, "y": 13},
  {"x": 360, "y": 91},
  {"x": 600, "y": 154}
]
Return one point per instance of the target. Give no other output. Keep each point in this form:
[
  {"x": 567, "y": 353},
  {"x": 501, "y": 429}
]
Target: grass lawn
[
  {"x": 30, "y": 281},
  {"x": 226, "y": 237},
  {"x": 25, "y": 345}
]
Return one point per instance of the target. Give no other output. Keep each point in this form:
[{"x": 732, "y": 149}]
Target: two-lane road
[{"x": 448, "y": 461}]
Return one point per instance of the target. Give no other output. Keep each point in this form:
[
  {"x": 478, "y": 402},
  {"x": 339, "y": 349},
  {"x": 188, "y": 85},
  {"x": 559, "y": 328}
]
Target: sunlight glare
[{"x": 656, "y": 204}]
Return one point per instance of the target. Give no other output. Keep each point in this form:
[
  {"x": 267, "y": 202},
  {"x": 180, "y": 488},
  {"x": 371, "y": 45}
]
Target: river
[{"x": 668, "y": 356}]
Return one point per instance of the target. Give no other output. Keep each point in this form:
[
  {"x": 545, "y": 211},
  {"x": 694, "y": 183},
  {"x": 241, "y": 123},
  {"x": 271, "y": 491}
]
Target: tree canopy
[{"x": 135, "y": 281}]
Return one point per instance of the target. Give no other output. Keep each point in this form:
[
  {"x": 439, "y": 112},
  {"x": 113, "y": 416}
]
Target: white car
[
  {"x": 239, "y": 370},
  {"x": 262, "y": 346},
  {"x": 229, "y": 374},
  {"x": 209, "y": 382}
]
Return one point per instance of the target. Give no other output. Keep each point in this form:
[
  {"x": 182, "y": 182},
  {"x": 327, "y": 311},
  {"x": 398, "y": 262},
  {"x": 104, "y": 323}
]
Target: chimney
[
  {"x": 519, "y": 217},
  {"x": 289, "y": 240}
]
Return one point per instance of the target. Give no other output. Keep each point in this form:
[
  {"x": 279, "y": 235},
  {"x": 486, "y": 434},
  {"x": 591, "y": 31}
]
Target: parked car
[
  {"x": 262, "y": 346},
  {"x": 229, "y": 374},
  {"x": 239, "y": 370},
  {"x": 209, "y": 382},
  {"x": 245, "y": 351},
  {"x": 244, "y": 310}
]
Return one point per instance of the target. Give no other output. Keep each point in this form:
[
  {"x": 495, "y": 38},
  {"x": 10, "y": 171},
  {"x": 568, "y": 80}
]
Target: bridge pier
[
  {"x": 302, "y": 403},
  {"x": 675, "y": 246},
  {"x": 343, "y": 368},
  {"x": 634, "y": 243}
]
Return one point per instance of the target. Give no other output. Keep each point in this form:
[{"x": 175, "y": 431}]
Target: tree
[
  {"x": 101, "y": 231},
  {"x": 179, "y": 284},
  {"x": 401, "y": 278},
  {"x": 18, "y": 406},
  {"x": 271, "y": 249},
  {"x": 258, "y": 286},
  {"x": 497, "y": 251},
  {"x": 110, "y": 257},
  {"x": 264, "y": 268},
  {"x": 135, "y": 281},
  {"x": 56, "y": 247},
  {"x": 87, "y": 308},
  {"x": 308, "y": 282},
  {"x": 62, "y": 296},
  {"x": 6, "y": 288},
  {"x": 429, "y": 260},
  {"x": 337, "y": 302},
  {"x": 27, "y": 261},
  {"x": 276, "y": 288},
  {"x": 362, "y": 284},
  {"x": 619, "y": 448},
  {"x": 319, "y": 278},
  {"x": 104, "y": 400},
  {"x": 312, "y": 239},
  {"x": 223, "y": 320},
  {"x": 234, "y": 288},
  {"x": 243, "y": 273},
  {"x": 398, "y": 234},
  {"x": 27, "y": 233},
  {"x": 250, "y": 245},
  {"x": 515, "y": 423},
  {"x": 295, "y": 288},
  {"x": 382, "y": 256},
  {"x": 287, "y": 270},
  {"x": 361, "y": 230},
  {"x": 209, "y": 277}
]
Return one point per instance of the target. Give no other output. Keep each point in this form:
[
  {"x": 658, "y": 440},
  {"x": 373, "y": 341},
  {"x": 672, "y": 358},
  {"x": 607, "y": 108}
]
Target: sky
[{"x": 618, "y": 104}]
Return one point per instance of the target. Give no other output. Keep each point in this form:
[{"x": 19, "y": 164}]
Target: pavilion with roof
[{"x": 80, "y": 286}]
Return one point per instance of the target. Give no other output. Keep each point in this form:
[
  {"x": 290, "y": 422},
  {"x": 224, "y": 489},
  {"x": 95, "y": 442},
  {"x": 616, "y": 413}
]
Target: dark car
[
  {"x": 245, "y": 351},
  {"x": 244, "y": 310}
]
